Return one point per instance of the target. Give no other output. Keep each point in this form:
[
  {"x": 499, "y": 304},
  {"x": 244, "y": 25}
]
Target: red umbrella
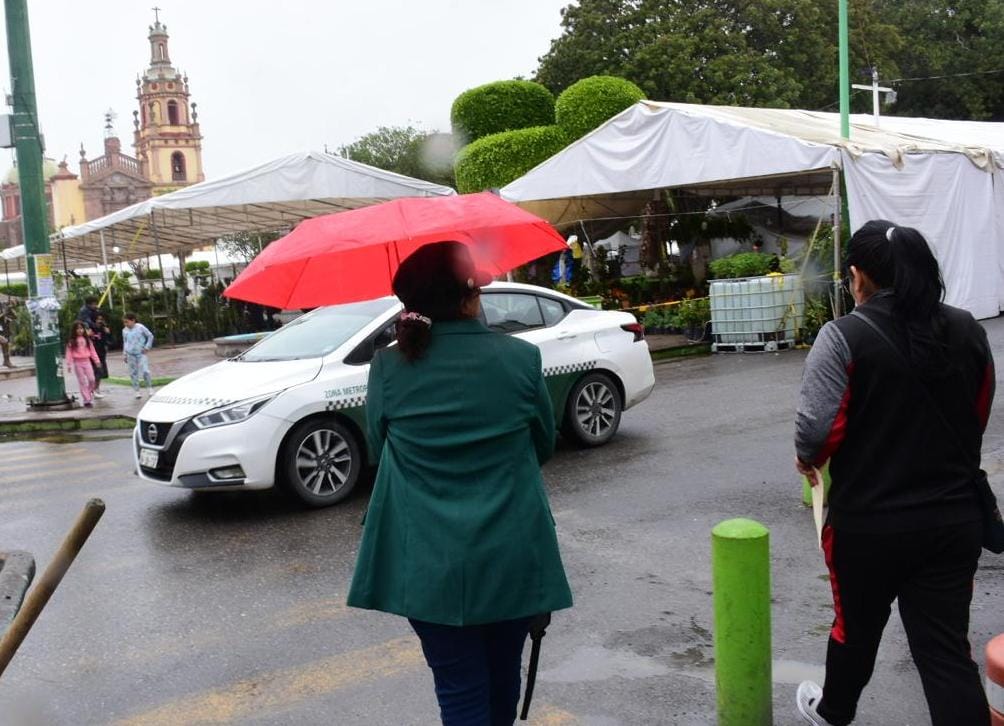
[{"x": 353, "y": 255}]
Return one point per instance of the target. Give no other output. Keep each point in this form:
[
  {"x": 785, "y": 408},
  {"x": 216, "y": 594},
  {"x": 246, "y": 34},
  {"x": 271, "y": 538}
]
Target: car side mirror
[{"x": 386, "y": 336}]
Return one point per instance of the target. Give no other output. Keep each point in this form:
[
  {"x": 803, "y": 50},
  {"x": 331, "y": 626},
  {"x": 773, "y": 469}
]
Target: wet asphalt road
[{"x": 230, "y": 608}]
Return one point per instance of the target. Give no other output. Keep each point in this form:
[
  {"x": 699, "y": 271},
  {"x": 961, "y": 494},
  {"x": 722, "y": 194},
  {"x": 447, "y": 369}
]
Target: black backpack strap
[{"x": 538, "y": 629}]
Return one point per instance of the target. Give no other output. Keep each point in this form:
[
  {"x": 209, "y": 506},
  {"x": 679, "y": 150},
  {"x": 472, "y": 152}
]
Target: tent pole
[
  {"x": 156, "y": 246},
  {"x": 838, "y": 296},
  {"x": 6, "y": 272},
  {"x": 104, "y": 261},
  {"x": 66, "y": 271}
]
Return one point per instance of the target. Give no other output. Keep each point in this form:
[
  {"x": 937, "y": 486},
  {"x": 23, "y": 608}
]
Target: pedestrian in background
[
  {"x": 136, "y": 341},
  {"x": 7, "y": 317},
  {"x": 88, "y": 313},
  {"x": 82, "y": 359},
  {"x": 100, "y": 337},
  {"x": 896, "y": 396},
  {"x": 459, "y": 536}
]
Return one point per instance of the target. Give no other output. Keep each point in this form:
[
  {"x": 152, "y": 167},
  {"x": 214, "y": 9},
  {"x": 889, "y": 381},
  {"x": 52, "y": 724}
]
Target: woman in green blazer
[{"x": 459, "y": 536}]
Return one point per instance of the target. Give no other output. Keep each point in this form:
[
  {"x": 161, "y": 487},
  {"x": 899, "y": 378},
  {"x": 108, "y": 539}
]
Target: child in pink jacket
[{"x": 81, "y": 358}]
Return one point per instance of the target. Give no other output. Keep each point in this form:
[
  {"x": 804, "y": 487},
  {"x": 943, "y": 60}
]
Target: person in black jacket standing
[{"x": 904, "y": 519}]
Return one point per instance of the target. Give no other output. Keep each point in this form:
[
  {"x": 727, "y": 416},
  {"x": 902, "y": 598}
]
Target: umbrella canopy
[{"x": 353, "y": 255}]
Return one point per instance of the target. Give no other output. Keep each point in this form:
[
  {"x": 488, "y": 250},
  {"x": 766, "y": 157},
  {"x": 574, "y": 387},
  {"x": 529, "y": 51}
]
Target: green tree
[
  {"x": 405, "y": 150},
  {"x": 951, "y": 39},
  {"x": 247, "y": 245},
  {"x": 778, "y": 53}
]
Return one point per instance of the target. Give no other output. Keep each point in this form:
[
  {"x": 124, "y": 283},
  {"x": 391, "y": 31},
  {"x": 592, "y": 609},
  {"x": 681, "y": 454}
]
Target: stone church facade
[{"x": 168, "y": 145}]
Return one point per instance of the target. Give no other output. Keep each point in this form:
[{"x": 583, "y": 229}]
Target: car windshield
[{"x": 319, "y": 332}]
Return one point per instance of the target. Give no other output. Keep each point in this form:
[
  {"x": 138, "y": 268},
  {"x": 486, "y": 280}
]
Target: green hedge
[
  {"x": 17, "y": 289},
  {"x": 749, "y": 264},
  {"x": 741, "y": 264},
  {"x": 501, "y": 106},
  {"x": 496, "y": 160},
  {"x": 586, "y": 104}
]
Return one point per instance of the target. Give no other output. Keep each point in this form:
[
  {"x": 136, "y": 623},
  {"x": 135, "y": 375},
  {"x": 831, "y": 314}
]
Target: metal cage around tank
[{"x": 756, "y": 313}]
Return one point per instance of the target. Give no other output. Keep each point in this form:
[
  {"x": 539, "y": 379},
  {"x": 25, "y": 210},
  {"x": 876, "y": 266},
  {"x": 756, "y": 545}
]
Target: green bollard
[
  {"x": 740, "y": 567},
  {"x": 807, "y": 488}
]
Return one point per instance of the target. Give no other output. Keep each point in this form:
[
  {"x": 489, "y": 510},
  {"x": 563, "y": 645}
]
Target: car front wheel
[
  {"x": 593, "y": 411},
  {"x": 321, "y": 462}
]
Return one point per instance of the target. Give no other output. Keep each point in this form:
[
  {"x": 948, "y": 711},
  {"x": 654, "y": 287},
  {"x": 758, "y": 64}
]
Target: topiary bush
[
  {"x": 501, "y": 106},
  {"x": 586, "y": 104},
  {"x": 496, "y": 160}
]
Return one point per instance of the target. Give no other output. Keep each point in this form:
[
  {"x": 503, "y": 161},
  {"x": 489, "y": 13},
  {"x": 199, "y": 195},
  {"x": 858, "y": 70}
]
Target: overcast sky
[{"x": 271, "y": 78}]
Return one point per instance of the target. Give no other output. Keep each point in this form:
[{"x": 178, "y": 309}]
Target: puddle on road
[{"x": 596, "y": 663}]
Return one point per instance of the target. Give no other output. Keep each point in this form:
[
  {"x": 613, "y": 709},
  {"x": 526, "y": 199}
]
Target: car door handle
[{"x": 565, "y": 335}]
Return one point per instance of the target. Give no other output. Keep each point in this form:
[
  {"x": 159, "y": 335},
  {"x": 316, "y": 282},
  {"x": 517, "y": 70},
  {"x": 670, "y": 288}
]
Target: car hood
[{"x": 226, "y": 382}]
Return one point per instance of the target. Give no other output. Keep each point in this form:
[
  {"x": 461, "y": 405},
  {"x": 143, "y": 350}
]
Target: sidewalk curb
[
  {"x": 681, "y": 351},
  {"x": 110, "y": 422},
  {"x": 13, "y": 374},
  {"x": 17, "y": 570}
]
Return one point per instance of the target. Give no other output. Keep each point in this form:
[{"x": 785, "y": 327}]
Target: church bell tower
[{"x": 168, "y": 141}]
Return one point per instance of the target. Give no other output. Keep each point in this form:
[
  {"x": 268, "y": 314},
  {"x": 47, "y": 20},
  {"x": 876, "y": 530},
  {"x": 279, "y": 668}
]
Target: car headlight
[{"x": 234, "y": 413}]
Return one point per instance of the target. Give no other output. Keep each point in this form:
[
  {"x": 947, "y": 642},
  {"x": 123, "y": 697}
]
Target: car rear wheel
[
  {"x": 593, "y": 410},
  {"x": 321, "y": 462}
]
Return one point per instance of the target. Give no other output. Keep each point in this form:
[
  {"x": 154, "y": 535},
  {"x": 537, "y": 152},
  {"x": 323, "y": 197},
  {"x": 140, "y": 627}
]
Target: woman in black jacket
[
  {"x": 100, "y": 337},
  {"x": 896, "y": 396}
]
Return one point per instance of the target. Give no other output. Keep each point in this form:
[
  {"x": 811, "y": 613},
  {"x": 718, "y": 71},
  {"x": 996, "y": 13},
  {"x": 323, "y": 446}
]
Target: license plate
[{"x": 148, "y": 458}]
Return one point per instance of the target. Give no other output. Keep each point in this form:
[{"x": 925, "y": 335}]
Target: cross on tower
[{"x": 156, "y": 14}]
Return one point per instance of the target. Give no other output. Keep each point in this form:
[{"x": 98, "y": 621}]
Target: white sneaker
[
  {"x": 149, "y": 392},
  {"x": 807, "y": 697},
  {"x": 99, "y": 394},
  {"x": 138, "y": 395}
]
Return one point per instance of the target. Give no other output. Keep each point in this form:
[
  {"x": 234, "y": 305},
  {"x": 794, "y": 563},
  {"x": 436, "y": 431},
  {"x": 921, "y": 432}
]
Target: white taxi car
[{"x": 291, "y": 410}]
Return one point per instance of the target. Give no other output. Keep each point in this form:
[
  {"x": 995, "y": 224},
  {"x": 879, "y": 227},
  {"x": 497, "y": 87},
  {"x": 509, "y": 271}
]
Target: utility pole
[
  {"x": 34, "y": 217},
  {"x": 875, "y": 88},
  {"x": 844, "y": 59},
  {"x": 845, "y": 74}
]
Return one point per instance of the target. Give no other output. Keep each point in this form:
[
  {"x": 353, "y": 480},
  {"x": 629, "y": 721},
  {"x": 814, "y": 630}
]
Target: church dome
[{"x": 49, "y": 169}]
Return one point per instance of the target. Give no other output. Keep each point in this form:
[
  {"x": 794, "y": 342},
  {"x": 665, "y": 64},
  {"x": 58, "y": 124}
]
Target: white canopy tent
[
  {"x": 269, "y": 197},
  {"x": 12, "y": 253},
  {"x": 942, "y": 177}
]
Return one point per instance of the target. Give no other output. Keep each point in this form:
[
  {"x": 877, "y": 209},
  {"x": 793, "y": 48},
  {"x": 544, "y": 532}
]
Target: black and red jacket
[{"x": 894, "y": 465}]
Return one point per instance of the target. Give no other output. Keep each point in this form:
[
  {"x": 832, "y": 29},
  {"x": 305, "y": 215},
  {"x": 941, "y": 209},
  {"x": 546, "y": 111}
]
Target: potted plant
[
  {"x": 653, "y": 322},
  {"x": 694, "y": 316}
]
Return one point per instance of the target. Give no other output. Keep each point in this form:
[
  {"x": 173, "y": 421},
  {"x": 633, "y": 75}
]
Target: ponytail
[
  {"x": 916, "y": 276},
  {"x": 413, "y": 334},
  {"x": 900, "y": 259}
]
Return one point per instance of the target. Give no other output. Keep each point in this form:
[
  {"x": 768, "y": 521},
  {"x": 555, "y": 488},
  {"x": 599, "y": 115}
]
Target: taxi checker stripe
[
  {"x": 569, "y": 368},
  {"x": 353, "y": 402}
]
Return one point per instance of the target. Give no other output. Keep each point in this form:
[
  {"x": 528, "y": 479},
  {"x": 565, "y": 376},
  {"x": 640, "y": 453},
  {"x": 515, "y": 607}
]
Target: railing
[
  {"x": 127, "y": 163},
  {"x": 119, "y": 161},
  {"x": 93, "y": 167}
]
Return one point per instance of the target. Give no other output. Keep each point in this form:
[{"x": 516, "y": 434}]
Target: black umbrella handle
[{"x": 538, "y": 629}]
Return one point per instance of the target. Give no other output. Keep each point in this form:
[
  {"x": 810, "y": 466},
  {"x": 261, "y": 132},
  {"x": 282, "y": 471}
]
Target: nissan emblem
[{"x": 151, "y": 433}]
